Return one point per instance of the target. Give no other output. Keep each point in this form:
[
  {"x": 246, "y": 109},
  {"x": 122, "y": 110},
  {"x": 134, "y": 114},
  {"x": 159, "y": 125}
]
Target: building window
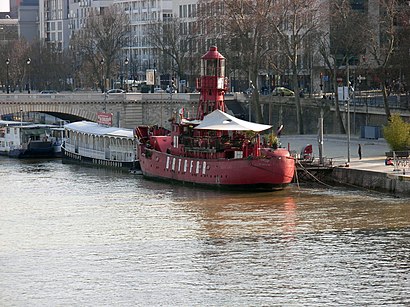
[
  {"x": 185, "y": 14},
  {"x": 358, "y": 5}
]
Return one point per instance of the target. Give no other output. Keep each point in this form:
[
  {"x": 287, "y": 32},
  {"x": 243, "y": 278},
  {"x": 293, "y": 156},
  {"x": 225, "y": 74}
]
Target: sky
[{"x": 4, "y": 5}]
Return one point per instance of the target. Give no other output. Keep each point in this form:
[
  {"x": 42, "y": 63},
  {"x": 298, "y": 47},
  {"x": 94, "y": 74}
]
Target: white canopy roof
[
  {"x": 96, "y": 129},
  {"x": 12, "y": 123},
  {"x": 25, "y": 125},
  {"x": 218, "y": 120}
]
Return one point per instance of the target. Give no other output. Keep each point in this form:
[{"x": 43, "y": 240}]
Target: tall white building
[
  {"x": 79, "y": 10},
  {"x": 58, "y": 20},
  {"x": 141, "y": 53},
  {"x": 53, "y": 23}
]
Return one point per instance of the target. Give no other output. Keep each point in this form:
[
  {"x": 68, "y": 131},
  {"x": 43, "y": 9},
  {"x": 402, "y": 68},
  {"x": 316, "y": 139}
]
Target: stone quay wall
[{"x": 397, "y": 184}]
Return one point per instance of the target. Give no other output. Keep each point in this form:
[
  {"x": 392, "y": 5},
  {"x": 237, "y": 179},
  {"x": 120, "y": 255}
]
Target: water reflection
[{"x": 73, "y": 235}]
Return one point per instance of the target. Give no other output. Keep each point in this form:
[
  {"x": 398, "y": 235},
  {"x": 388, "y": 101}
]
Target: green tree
[{"x": 397, "y": 133}]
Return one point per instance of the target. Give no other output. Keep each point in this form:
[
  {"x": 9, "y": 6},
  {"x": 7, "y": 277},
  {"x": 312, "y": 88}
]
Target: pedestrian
[{"x": 359, "y": 151}]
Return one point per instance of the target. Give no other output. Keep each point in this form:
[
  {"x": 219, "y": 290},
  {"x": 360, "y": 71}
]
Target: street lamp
[
  {"x": 7, "y": 68},
  {"x": 126, "y": 62},
  {"x": 29, "y": 81},
  {"x": 102, "y": 75},
  {"x": 348, "y": 110},
  {"x": 320, "y": 134}
]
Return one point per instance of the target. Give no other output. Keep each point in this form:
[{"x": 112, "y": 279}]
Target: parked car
[
  {"x": 158, "y": 90},
  {"x": 49, "y": 92},
  {"x": 282, "y": 91},
  {"x": 115, "y": 91}
]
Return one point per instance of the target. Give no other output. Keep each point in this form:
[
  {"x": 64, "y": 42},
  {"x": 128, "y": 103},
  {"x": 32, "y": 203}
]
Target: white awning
[
  {"x": 96, "y": 129},
  {"x": 218, "y": 120}
]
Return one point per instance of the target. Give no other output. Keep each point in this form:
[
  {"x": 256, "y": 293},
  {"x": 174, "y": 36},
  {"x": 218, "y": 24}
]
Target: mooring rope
[
  {"x": 297, "y": 178},
  {"x": 313, "y": 176}
]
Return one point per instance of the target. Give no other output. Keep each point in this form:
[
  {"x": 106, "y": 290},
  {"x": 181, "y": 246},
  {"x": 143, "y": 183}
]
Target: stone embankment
[
  {"x": 370, "y": 172},
  {"x": 391, "y": 179}
]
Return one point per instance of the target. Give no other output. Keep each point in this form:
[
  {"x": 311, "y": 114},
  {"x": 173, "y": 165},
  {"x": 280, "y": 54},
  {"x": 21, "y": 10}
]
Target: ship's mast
[{"x": 212, "y": 83}]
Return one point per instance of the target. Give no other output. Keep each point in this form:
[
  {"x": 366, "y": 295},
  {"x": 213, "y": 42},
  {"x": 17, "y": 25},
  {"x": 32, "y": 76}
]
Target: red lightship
[{"x": 215, "y": 149}]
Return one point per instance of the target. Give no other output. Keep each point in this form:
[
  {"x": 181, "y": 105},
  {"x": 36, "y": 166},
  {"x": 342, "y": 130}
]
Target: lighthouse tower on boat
[{"x": 212, "y": 83}]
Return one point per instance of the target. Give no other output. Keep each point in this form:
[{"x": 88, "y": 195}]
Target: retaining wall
[{"x": 396, "y": 184}]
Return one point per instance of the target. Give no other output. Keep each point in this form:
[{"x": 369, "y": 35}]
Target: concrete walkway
[
  {"x": 336, "y": 147},
  {"x": 370, "y": 172}
]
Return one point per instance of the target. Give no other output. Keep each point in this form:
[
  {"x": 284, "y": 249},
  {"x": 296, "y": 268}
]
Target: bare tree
[
  {"x": 383, "y": 41},
  {"x": 171, "y": 38},
  {"x": 400, "y": 63},
  {"x": 243, "y": 25},
  {"x": 294, "y": 23},
  {"x": 16, "y": 52},
  {"x": 101, "y": 40},
  {"x": 48, "y": 68},
  {"x": 342, "y": 43},
  {"x": 35, "y": 66}
]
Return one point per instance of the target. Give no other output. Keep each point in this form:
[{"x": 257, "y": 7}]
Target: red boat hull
[{"x": 272, "y": 173}]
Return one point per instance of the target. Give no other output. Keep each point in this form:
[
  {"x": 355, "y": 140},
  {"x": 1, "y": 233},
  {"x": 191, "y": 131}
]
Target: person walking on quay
[{"x": 359, "y": 151}]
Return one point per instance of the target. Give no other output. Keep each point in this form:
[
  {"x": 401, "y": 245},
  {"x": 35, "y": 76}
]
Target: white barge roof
[
  {"x": 11, "y": 123},
  {"x": 96, "y": 129},
  {"x": 24, "y": 125}
]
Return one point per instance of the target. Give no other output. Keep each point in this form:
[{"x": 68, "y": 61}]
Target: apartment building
[
  {"x": 8, "y": 30},
  {"x": 55, "y": 22},
  {"x": 142, "y": 54},
  {"x": 79, "y": 10},
  {"x": 9, "y": 8},
  {"x": 8, "y": 21},
  {"x": 28, "y": 16}
]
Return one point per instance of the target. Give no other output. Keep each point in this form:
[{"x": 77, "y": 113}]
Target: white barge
[
  {"x": 27, "y": 140},
  {"x": 100, "y": 145}
]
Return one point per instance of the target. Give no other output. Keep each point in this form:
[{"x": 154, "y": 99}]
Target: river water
[{"x": 78, "y": 236}]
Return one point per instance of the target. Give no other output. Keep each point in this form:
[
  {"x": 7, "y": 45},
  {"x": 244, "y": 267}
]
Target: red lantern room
[{"x": 211, "y": 84}]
